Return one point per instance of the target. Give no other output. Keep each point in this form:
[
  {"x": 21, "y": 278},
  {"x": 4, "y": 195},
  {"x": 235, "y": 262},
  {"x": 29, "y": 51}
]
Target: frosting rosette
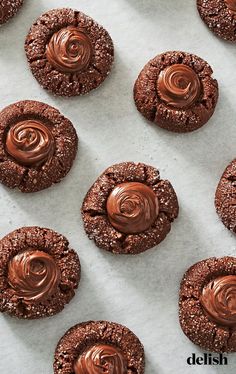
[
  {"x": 101, "y": 359},
  {"x": 30, "y": 142},
  {"x": 33, "y": 275},
  {"x": 132, "y": 207},
  {"x": 69, "y": 50},
  {"x": 218, "y": 299},
  {"x": 179, "y": 86}
]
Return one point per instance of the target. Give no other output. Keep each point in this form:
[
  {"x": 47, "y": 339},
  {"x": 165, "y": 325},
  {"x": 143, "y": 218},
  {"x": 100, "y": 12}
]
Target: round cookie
[
  {"x": 8, "y": 8},
  {"x": 99, "y": 347},
  {"x": 37, "y": 146},
  {"x": 129, "y": 209},
  {"x": 220, "y": 17},
  {"x": 68, "y": 52},
  {"x": 176, "y": 91},
  {"x": 207, "y": 304},
  {"x": 225, "y": 200},
  {"x": 38, "y": 273}
]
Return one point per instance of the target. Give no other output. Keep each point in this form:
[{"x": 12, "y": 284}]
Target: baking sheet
[{"x": 140, "y": 292}]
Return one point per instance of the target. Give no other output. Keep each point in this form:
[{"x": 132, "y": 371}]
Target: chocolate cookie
[
  {"x": 225, "y": 200},
  {"x": 220, "y": 17},
  {"x": 176, "y": 91},
  {"x": 207, "y": 306},
  {"x": 68, "y": 52},
  {"x": 99, "y": 347},
  {"x": 37, "y": 146},
  {"x": 38, "y": 273},
  {"x": 8, "y": 8},
  {"x": 129, "y": 209}
]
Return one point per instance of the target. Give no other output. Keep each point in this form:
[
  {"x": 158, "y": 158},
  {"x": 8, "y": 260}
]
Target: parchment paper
[{"x": 142, "y": 291}]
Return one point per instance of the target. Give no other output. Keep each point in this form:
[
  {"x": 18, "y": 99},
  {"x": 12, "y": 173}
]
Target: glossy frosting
[
  {"x": 30, "y": 142},
  {"x": 132, "y": 207},
  {"x": 69, "y": 50},
  {"x": 179, "y": 86},
  {"x": 219, "y": 300},
  {"x": 101, "y": 359},
  {"x": 231, "y": 4},
  {"x": 33, "y": 275}
]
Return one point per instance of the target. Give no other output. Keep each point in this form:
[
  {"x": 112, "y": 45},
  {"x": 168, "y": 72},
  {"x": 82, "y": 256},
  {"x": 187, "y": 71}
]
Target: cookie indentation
[
  {"x": 132, "y": 207},
  {"x": 176, "y": 91},
  {"x": 129, "y": 208},
  {"x": 70, "y": 53},
  {"x": 69, "y": 50},
  {"x": 30, "y": 142},
  {"x": 39, "y": 273},
  {"x": 101, "y": 358},
  {"x": 207, "y": 304},
  {"x": 99, "y": 347},
  {"x": 33, "y": 275},
  {"x": 179, "y": 86},
  {"x": 219, "y": 300},
  {"x": 38, "y": 146}
]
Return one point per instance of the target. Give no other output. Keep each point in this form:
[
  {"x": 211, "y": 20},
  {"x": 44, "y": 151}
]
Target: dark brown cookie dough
[
  {"x": 37, "y": 146},
  {"x": 207, "y": 305},
  {"x": 176, "y": 91},
  {"x": 100, "y": 346},
  {"x": 225, "y": 197},
  {"x": 220, "y": 17},
  {"x": 129, "y": 209},
  {"x": 38, "y": 273},
  {"x": 68, "y": 52},
  {"x": 8, "y": 8}
]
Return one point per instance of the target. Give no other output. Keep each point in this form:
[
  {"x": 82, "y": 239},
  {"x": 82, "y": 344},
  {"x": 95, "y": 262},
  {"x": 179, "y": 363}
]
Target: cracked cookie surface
[
  {"x": 176, "y": 91},
  {"x": 126, "y": 353},
  {"x": 138, "y": 218},
  {"x": 68, "y": 52},
  {"x": 8, "y": 8},
  {"x": 37, "y": 146},
  {"x": 225, "y": 200},
  {"x": 207, "y": 307},
  {"x": 220, "y": 17},
  {"x": 38, "y": 273}
]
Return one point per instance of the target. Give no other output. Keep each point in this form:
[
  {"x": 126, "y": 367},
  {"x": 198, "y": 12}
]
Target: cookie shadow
[
  {"x": 61, "y": 201},
  {"x": 211, "y": 147},
  {"x": 176, "y": 253},
  {"x": 107, "y": 97}
]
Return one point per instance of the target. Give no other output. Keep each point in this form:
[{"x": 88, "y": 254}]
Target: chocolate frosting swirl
[
  {"x": 219, "y": 300},
  {"x": 132, "y": 207},
  {"x": 231, "y": 4},
  {"x": 179, "y": 86},
  {"x": 33, "y": 275},
  {"x": 69, "y": 50},
  {"x": 101, "y": 359},
  {"x": 30, "y": 143}
]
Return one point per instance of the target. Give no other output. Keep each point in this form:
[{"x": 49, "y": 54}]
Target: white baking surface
[{"x": 142, "y": 291}]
